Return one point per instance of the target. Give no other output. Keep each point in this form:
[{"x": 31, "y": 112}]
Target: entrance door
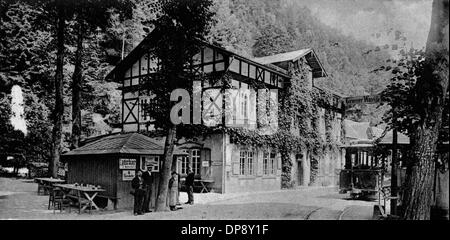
[
  {"x": 300, "y": 173},
  {"x": 299, "y": 158}
]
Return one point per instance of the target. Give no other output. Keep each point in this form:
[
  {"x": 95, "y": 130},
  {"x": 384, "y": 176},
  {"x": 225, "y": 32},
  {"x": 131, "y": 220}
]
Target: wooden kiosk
[{"x": 112, "y": 161}]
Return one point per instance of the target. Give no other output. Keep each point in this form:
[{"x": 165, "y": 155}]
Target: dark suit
[
  {"x": 139, "y": 194},
  {"x": 190, "y": 187},
  {"x": 148, "y": 190}
]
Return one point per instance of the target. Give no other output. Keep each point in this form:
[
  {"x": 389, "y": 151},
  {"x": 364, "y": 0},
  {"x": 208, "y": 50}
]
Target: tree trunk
[
  {"x": 418, "y": 193},
  {"x": 166, "y": 170},
  {"x": 59, "y": 104},
  {"x": 76, "y": 87}
]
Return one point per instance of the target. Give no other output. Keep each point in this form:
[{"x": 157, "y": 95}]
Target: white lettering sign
[
  {"x": 128, "y": 175},
  {"x": 125, "y": 163},
  {"x": 152, "y": 164},
  {"x": 368, "y": 99}
]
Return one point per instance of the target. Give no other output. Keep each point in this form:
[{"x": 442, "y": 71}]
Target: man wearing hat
[
  {"x": 146, "y": 176},
  {"x": 139, "y": 193},
  {"x": 190, "y": 186}
]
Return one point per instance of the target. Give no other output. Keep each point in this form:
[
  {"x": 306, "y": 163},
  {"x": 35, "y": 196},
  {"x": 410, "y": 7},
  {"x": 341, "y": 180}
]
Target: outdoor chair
[
  {"x": 56, "y": 198},
  {"x": 51, "y": 198},
  {"x": 81, "y": 203},
  {"x": 47, "y": 189},
  {"x": 59, "y": 201},
  {"x": 41, "y": 188}
]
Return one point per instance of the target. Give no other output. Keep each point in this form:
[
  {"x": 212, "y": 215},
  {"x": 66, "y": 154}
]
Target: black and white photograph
[{"x": 224, "y": 110}]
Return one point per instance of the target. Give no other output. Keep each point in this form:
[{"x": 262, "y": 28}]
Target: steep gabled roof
[
  {"x": 283, "y": 57},
  {"x": 308, "y": 53},
  {"x": 131, "y": 58},
  {"x": 128, "y": 143},
  {"x": 147, "y": 43}
]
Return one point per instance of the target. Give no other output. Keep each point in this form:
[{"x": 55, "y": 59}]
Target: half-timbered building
[{"x": 230, "y": 167}]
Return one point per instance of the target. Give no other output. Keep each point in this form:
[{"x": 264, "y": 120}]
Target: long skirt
[{"x": 173, "y": 193}]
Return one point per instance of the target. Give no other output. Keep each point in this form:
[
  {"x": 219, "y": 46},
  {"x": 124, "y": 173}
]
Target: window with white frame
[
  {"x": 195, "y": 158},
  {"x": 242, "y": 159},
  {"x": 266, "y": 163},
  {"x": 184, "y": 163},
  {"x": 269, "y": 163},
  {"x": 246, "y": 163},
  {"x": 244, "y": 106},
  {"x": 250, "y": 163},
  {"x": 273, "y": 163}
]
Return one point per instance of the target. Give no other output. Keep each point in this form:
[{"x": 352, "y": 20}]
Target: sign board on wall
[
  {"x": 152, "y": 164},
  {"x": 367, "y": 99},
  {"x": 205, "y": 164},
  {"x": 127, "y": 163},
  {"x": 128, "y": 175}
]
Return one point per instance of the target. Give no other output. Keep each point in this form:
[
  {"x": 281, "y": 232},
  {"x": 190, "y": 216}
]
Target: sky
[{"x": 376, "y": 21}]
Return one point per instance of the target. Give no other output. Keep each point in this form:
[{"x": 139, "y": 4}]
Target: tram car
[{"x": 363, "y": 173}]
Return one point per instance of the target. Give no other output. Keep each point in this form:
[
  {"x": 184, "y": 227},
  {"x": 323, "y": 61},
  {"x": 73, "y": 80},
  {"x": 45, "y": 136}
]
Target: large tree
[
  {"x": 89, "y": 16},
  {"x": 430, "y": 93},
  {"x": 60, "y": 21},
  {"x": 179, "y": 30}
]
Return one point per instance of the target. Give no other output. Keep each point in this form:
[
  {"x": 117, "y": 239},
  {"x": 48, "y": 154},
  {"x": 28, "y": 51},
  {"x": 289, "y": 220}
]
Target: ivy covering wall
[{"x": 298, "y": 124}]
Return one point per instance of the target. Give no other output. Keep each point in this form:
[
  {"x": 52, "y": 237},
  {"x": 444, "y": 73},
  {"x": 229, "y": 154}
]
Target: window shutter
[{"x": 259, "y": 162}]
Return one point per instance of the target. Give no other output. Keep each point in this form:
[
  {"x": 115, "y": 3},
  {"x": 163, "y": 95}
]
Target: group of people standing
[{"x": 141, "y": 185}]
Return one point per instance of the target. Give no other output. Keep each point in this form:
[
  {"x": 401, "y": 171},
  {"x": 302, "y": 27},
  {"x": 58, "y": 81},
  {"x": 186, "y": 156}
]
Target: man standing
[
  {"x": 138, "y": 186},
  {"x": 148, "y": 188},
  {"x": 190, "y": 186}
]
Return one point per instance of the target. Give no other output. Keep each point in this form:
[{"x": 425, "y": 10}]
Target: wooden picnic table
[
  {"x": 46, "y": 183},
  {"x": 81, "y": 192}
]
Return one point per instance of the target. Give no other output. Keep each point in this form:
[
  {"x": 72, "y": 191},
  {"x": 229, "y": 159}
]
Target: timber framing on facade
[{"x": 231, "y": 167}]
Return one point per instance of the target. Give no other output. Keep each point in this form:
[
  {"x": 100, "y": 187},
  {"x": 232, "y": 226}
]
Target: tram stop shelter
[{"x": 111, "y": 162}]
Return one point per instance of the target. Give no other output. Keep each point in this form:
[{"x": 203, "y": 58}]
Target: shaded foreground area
[{"x": 19, "y": 200}]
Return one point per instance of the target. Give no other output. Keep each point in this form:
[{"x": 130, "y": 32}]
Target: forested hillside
[
  {"x": 252, "y": 28},
  {"x": 255, "y": 28},
  {"x": 265, "y": 27}
]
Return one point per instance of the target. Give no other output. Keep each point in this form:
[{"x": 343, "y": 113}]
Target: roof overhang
[
  {"x": 317, "y": 69},
  {"x": 116, "y": 73},
  {"x": 309, "y": 54}
]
